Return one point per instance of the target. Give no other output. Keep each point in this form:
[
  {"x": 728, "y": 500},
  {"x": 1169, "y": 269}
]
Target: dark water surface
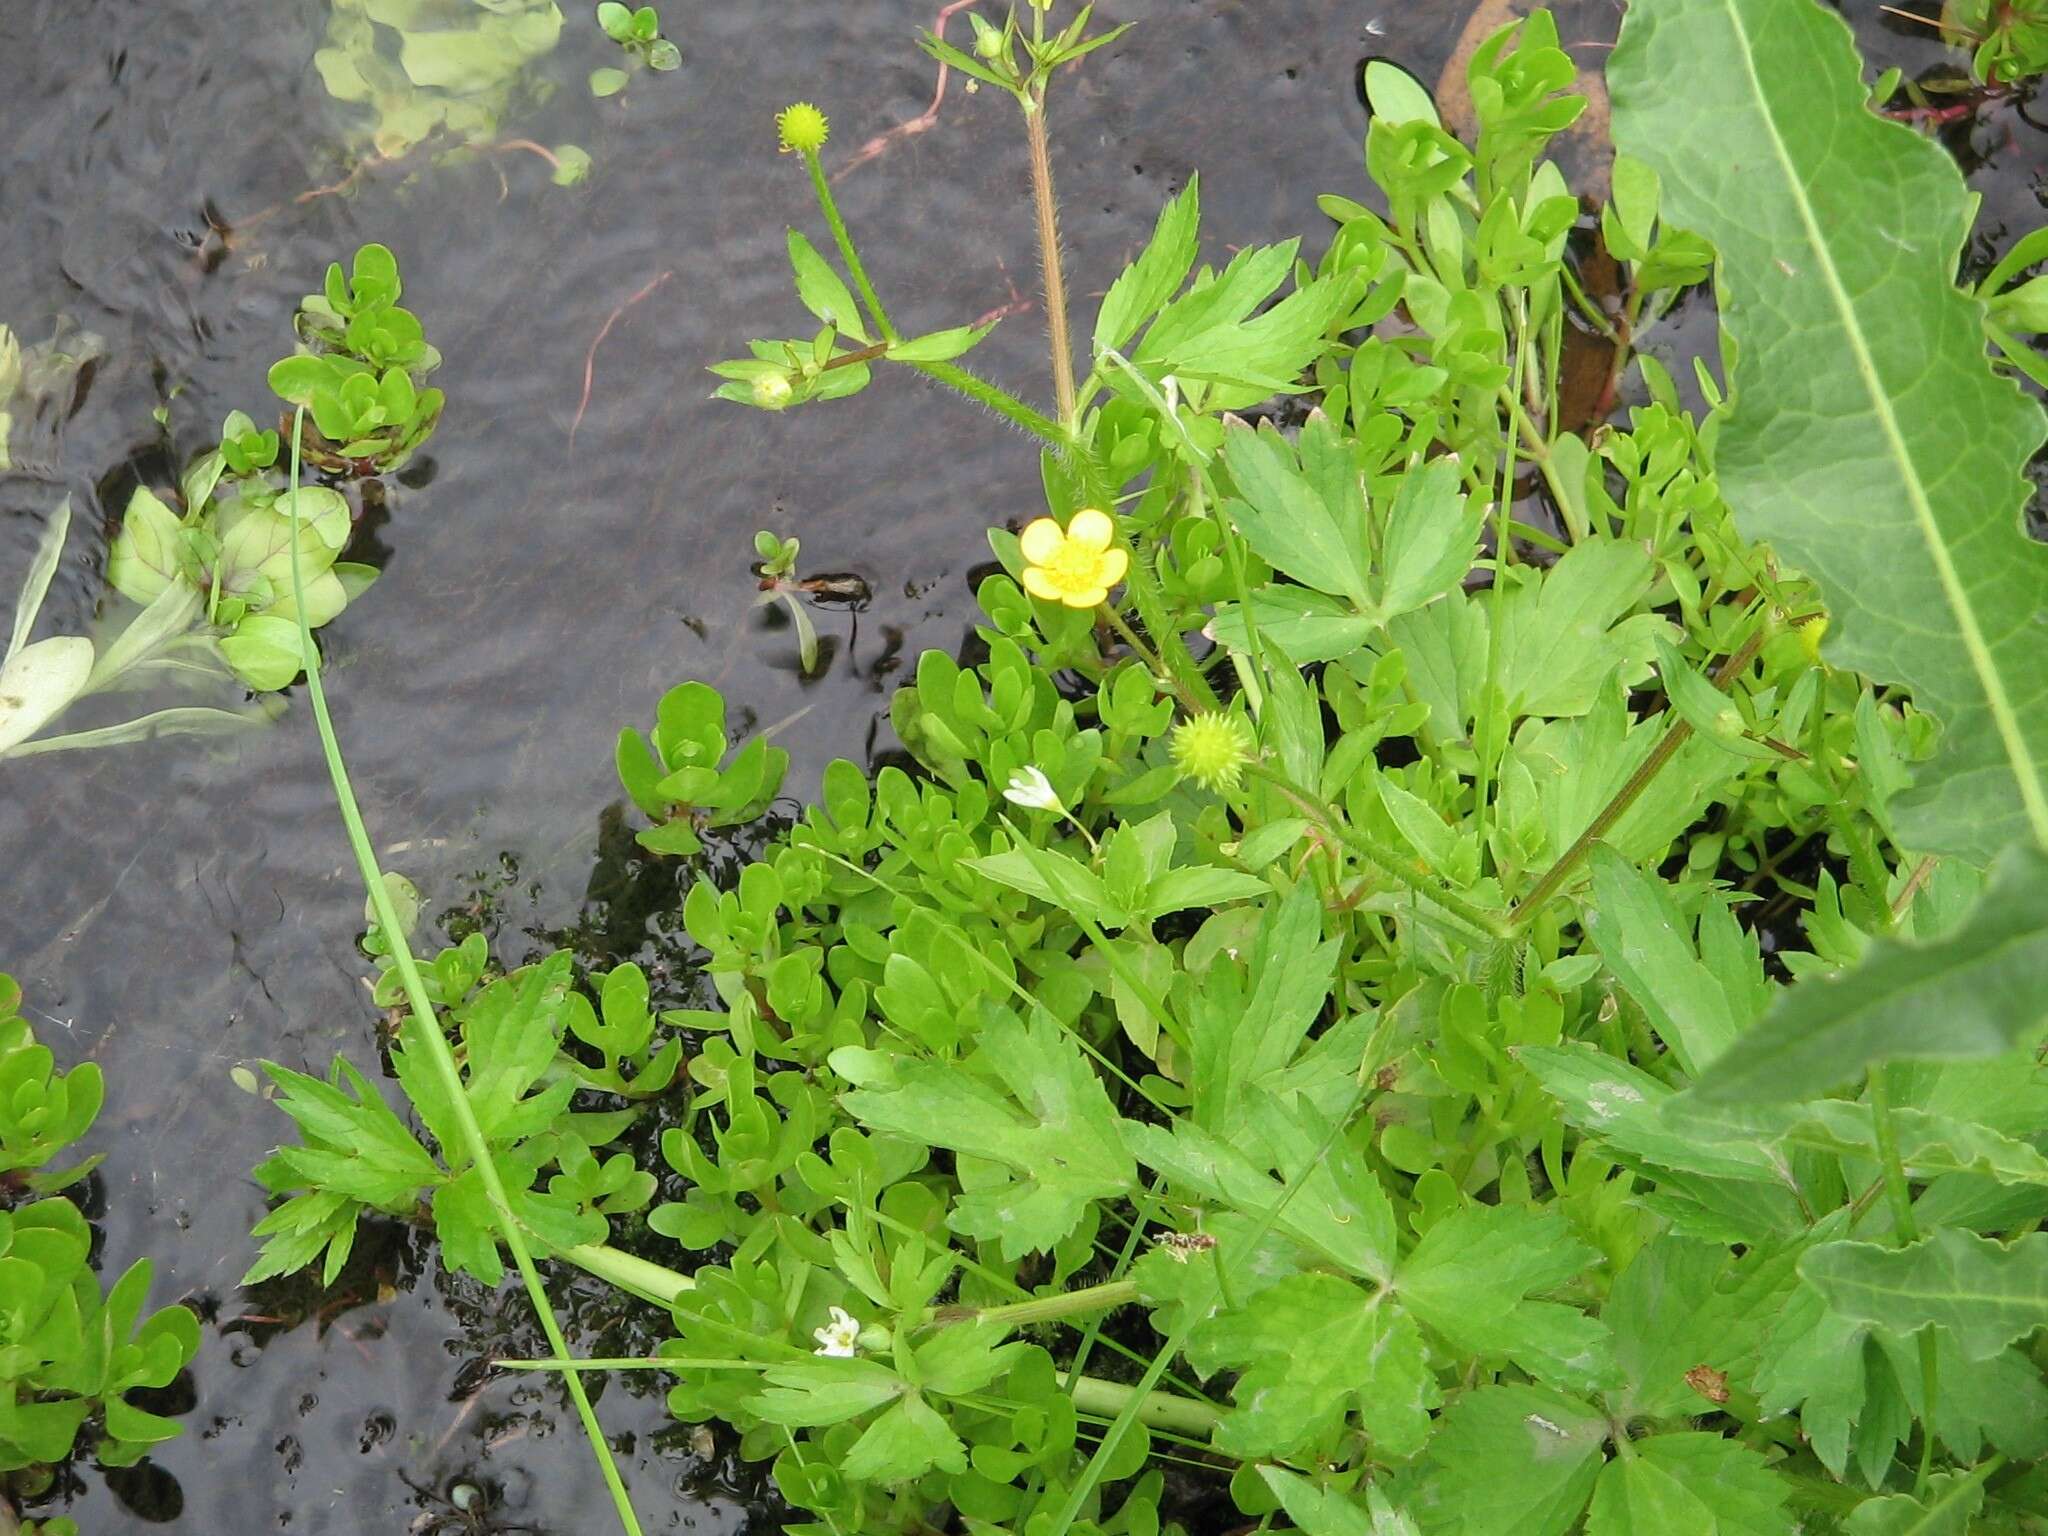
[{"x": 176, "y": 909}]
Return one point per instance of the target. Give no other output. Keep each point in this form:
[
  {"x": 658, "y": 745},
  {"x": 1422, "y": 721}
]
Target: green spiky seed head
[
  {"x": 1212, "y": 749},
  {"x": 802, "y": 128}
]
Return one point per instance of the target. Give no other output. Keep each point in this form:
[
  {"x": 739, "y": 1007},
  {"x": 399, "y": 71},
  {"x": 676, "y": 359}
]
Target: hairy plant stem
[
  {"x": 432, "y": 1041},
  {"x": 1043, "y": 1309},
  {"x": 1906, "y": 1230},
  {"x": 980, "y": 391},
  {"x": 844, "y": 240},
  {"x": 1666, "y": 748},
  {"x": 1004, "y": 404},
  {"x": 1047, "y": 209},
  {"x": 1389, "y": 861},
  {"x": 1144, "y": 652},
  {"x": 1181, "y": 668}
]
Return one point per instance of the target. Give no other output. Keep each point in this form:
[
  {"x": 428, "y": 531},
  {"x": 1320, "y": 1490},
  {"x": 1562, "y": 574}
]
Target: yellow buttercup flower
[{"x": 1076, "y": 565}]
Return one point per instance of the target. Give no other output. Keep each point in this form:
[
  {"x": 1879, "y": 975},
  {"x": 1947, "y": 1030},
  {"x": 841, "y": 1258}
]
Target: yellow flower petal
[
  {"x": 1110, "y": 568},
  {"x": 1092, "y": 530},
  {"x": 1040, "y": 541},
  {"x": 1086, "y": 598},
  {"x": 1039, "y": 583}
]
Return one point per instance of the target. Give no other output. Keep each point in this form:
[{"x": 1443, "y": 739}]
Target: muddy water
[{"x": 180, "y": 908}]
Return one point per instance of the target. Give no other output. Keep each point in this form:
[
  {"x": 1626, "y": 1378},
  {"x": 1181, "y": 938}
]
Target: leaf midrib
[{"x": 2032, "y": 792}]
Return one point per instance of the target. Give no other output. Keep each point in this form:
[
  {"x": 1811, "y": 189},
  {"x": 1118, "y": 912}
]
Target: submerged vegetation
[
  {"x": 213, "y": 575},
  {"x": 1448, "y": 960}
]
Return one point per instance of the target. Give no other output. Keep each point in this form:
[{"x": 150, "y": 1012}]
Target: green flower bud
[
  {"x": 802, "y": 128},
  {"x": 1212, "y": 749}
]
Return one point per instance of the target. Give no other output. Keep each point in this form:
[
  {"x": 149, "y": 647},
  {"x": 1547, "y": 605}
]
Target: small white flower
[
  {"x": 838, "y": 1338},
  {"x": 1031, "y": 789}
]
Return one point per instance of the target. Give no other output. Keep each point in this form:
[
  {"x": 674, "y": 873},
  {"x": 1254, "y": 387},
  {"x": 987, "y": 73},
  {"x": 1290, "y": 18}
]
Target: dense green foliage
[
  {"x": 1307, "y": 1017},
  {"x": 68, "y": 1353}
]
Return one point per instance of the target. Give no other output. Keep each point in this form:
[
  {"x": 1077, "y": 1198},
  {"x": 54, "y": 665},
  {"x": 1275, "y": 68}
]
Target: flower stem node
[
  {"x": 1075, "y": 565},
  {"x": 1212, "y": 749},
  {"x": 840, "y": 1338},
  {"x": 802, "y": 129}
]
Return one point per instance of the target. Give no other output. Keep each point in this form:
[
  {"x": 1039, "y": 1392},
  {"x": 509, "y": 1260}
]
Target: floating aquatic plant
[{"x": 210, "y": 565}]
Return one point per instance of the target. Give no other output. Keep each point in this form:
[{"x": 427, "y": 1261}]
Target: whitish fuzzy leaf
[
  {"x": 1986, "y": 1294},
  {"x": 1869, "y": 442},
  {"x": 1928, "y": 1145},
  {"x": 38, "y": 683},
  {"x": 1976, "y": 991},
  {"x": 1642, "y": 1118},
  {"x": 49, "y": 550},
  {"x": 188, "y": 720}
]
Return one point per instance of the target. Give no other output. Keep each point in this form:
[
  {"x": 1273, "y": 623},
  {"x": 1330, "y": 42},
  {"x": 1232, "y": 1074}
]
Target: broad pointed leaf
[
  {"x": 1976, "y": 991},
  {"x": 1869, "y": 441},
  {"x": 1986, "y": 1294}
]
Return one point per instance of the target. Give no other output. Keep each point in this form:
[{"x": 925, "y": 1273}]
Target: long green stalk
[
  {"x": 643, "y": 1277},
  {"x": 844, "y": 240},
  {"x": 429, "y": 1034}
]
